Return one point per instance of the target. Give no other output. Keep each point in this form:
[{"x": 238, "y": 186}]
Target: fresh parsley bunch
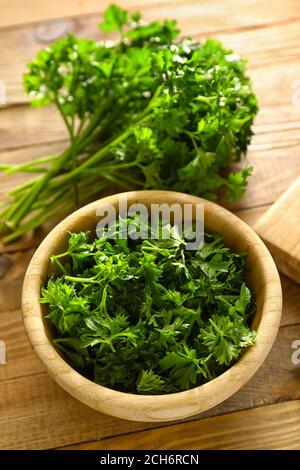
[
  {"x": 148, "y": 316},
  {"x": 149, "y": 110}
]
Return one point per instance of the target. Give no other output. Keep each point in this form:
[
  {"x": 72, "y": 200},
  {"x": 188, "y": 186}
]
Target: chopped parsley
[{"x": 149, "y": 316}]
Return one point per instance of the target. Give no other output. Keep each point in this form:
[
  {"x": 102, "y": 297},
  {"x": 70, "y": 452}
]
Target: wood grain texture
[
  {"x": 267, "y": 33},
  {"x": 271, "y": 149},
  {"x": 279, "y": 227},
  {"x": 30, "y": 241},
  {"x": 25, "y": 398},
  {"x": 275, "y": 427},
  {"x": 275, "y": 127}
]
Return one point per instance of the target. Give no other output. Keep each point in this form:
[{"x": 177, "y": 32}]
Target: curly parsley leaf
[
  {"x": 149, "y": 110},
  {"x": 147, "y": 316}
]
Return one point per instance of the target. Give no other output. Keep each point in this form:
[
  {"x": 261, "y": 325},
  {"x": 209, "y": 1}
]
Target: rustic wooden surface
[{"x": 36, "y": 413}]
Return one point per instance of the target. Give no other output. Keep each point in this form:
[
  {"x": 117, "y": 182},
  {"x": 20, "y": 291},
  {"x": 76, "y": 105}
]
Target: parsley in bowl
[{"x": 145, "y": 330}]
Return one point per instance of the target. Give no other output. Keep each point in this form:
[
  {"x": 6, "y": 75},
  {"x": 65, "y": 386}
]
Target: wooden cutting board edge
[{"x": 287, "y": 262}]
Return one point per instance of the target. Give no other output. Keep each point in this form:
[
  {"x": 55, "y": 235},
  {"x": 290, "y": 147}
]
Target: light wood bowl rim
[{"x": 147, "y": 407}]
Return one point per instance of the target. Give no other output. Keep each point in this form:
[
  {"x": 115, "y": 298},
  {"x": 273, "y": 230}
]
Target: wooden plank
[
  {"x": 23, "y": 11},
  {"x": 32, "y": 403},
  {"x": 250, "y": 12},
  {"x": 274, "y": 135},
  {"x": 37, "y": 414},
  {"x": 21, "y": 44},
  {"x": 262, "y": 47},
  {"x": 23, "y": 155},
  {"x": 280, "y": 229},
  {"x": 12, "y": 271},
  {"x": 22, "y": 126},
  {"x": 283, "y": 117},
  {"x": 291, "y": 300},
  {"x": 275, "y": 89},
  {"x": 274, "y": 170},
  {"x": 291, "y": 290},
  {"x": 211, "y": 16},
  {"x": 20, "y": 359},
  {"x": 28, "y": 241},
  {"x": 274, "y": 427}
]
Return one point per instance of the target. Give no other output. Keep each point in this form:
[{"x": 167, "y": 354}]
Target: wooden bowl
[{"x": 263, "y": 279}]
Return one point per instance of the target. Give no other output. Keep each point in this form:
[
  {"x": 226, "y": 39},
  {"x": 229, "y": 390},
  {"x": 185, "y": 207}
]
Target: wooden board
[
  {"x": 264, "y": 414},
  {"x": 279, "y": 227},
  {"x": 235, "y": 431}
]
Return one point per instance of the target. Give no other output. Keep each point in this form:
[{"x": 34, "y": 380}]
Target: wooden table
[{"x": 35, "y": 413}]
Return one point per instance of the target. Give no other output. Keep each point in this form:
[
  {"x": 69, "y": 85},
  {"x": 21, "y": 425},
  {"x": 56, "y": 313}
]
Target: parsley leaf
[
  {"x": 147, "y": 316},
  {"x": 114, "y": 19},
  {"x": 150, "y": 383}
]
